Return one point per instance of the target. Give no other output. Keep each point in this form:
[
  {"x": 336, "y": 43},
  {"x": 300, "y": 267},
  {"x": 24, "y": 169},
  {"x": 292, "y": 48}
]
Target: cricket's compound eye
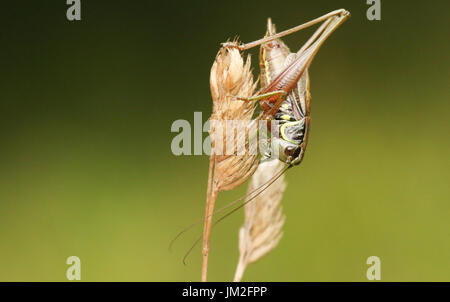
[{"x": 292, "y": 151}]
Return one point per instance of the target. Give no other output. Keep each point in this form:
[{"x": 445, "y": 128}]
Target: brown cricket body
[{"x": 274, "y": 57}]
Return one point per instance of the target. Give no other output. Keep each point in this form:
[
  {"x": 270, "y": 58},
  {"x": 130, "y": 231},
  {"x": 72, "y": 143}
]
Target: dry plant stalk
[
  {"x": 264, "y": 220},
  {"x": 230, "y": 78}
]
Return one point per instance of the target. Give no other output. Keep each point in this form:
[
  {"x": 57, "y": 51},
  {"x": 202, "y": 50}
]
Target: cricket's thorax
[{"x": 273, "y": 55}]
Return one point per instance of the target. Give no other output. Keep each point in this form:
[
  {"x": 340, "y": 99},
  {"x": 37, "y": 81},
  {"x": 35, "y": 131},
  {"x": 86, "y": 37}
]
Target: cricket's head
[{"x": 286, "y": 152}]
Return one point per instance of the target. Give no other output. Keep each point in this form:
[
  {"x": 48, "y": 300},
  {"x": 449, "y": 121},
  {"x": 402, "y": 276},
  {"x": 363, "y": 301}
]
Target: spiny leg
[
  {"x": 339, "y": 12},
  {"x": 316, "y": 34},
  {"x": 307, "y": 52}
]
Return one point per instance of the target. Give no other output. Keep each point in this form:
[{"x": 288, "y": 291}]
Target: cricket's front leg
[
  {"x": 270, "y": 112},
  {"x": 264, "y": 96},
  {"x": 274, "y": 97}
]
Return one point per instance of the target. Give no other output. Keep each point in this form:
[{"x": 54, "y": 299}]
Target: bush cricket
[{"x": 284, "y": 98}]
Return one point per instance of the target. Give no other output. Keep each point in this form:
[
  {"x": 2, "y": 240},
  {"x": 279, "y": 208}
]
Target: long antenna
[
  {"x": 265, "y": 185},
  {"x": 199, "y": 221}
]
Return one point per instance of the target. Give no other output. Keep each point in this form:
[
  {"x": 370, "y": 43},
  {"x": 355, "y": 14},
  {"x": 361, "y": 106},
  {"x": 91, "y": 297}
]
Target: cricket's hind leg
[{"x": 336, "y": 13}]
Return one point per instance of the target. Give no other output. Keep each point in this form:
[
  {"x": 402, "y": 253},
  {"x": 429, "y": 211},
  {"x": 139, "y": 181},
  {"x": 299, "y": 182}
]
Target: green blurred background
[{"x": 87, "y": 170}]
